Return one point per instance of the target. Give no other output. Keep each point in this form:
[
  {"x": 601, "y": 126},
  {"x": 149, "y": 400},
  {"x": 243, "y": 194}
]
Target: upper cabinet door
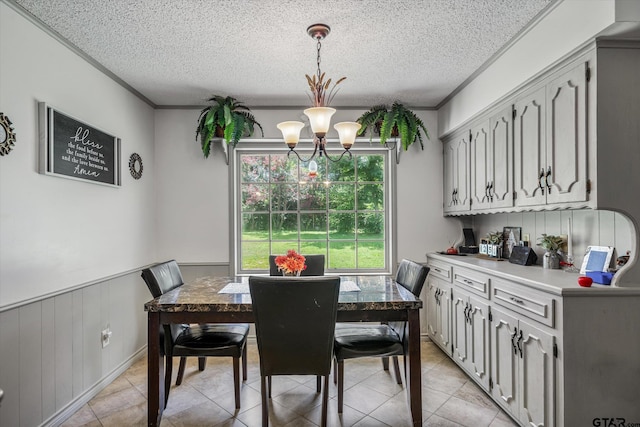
[
  {"x": 456, "y": 177},
  {"x": 480, "y": 166},
  {"x": 566, "y": 150},
  {"x": 450, "y": 175},
  {"x": 463, "y": 201},
  {"x": 500, "y": 167},
  {"x": 529, "y": 149}
]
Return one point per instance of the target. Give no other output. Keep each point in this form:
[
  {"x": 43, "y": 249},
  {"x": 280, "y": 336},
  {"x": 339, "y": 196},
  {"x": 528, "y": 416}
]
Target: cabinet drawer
[
  {"x": 440, "y": 270},
  {"x": 534, "y": 305},
  {"x": 472, "y": 281}
]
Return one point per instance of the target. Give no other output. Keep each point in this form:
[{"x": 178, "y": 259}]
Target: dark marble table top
[{"x": 202, "y": 295}]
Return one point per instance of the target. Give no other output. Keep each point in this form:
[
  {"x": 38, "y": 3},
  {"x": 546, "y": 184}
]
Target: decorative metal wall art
[
  {"x": 135, "y": 165},
  {"x": 7, "y": 136}
]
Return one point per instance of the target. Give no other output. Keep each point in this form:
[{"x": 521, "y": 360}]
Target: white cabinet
[
  {"x": 523, "y": 369},
  {"x": 456, "y": 177},
  {"x": 550, "y": 140},
  {"x": 439, "y": 313},
  {"x": 471, "y": 335},
  {"x": 492, "y": 162}
]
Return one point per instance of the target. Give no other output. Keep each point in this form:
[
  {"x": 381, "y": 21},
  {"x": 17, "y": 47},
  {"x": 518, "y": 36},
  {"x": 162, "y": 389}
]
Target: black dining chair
[
  {"x": 315, "y": 266},
  {"x": 384, "y": 340},
  {"x": 295, "y": 321},
  {"x": 205, "y": 340}
]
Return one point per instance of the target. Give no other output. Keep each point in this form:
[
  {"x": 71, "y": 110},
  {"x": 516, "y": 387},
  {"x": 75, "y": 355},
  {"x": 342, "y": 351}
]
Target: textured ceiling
[{"x": 179, "y": 52}]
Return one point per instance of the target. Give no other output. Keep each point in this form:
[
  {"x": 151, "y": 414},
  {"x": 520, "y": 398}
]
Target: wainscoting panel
[
  {"x": 590, "y": 227},
  {"x": 51, "y": 356}
]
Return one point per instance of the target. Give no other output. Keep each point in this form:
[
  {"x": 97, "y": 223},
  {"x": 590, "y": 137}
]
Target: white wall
[
  {"x": 193, "y": 192},
  {"x": 567, "y": 26},
  {"x": 57, "y": 233}
]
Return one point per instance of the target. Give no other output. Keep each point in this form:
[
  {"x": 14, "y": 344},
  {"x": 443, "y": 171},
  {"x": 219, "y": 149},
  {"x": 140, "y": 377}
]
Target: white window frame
[{"x": 265, "y": 146}]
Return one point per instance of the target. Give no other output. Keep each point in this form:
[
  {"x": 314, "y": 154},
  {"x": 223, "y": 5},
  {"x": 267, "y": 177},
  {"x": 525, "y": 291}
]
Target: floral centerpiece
[{"x": 291, "y": 264}]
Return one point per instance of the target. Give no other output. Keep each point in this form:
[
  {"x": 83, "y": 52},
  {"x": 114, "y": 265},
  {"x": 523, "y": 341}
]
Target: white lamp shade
[
  {"x": 347, "y": 132},
  {"x": 291, "y": 132},
  {"x": 320, "y": 119}
]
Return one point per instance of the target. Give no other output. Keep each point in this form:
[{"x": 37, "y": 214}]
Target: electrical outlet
[{"x": 105, "y": 336}]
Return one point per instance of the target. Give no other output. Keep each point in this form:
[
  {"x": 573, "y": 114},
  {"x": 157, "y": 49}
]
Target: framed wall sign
[{"x": 72, "y": 149}]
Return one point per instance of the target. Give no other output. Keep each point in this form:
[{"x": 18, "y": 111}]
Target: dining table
[{"x": 362, "y": 298}]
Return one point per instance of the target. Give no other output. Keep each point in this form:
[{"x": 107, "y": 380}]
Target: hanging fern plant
[
  {"x": 226, "y": 118},
  {"x": 395, "y": 121}
]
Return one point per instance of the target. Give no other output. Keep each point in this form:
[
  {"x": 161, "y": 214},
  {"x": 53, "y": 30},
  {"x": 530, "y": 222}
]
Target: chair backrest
[
  {"x": 162, "y": 277},
  {"x": 295, "y": 321},
  {"x": 315, "y": 266},
  {"x": 412, "y": 276}
]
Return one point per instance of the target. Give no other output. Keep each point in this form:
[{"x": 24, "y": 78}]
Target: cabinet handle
[
  {"x": 467, "y": 281},
  {"x": 546, "y": 180},
  {"x": 486, "y": 191},
  {"x": 513, "y": 341},
  {"x": 516, "y": 300},
  {"x": 491, "y": 192},
  {"x": 437, "y": 270},
  {"x": 540, "y": 178},
  {"x": 520, "y": 343},
  {"x": 469, "y": 313},
  {"x": 466, "y": 308}
]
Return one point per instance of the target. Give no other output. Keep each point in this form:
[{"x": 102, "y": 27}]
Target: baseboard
[{"x": 72, "y": 407}]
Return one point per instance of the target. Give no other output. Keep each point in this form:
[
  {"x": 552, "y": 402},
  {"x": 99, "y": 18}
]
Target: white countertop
[{"x": 553, "y": 281}]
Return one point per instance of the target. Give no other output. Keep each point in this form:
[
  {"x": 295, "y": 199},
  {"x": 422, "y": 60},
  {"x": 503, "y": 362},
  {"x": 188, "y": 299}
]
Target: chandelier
[{"x": 320, "y": 114}]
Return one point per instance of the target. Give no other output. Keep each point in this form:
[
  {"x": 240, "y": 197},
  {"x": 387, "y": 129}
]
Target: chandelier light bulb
[
  {"x": 291, "y": 132},
  {"x": 347, "y": 132},
  {"x": 320, "y": 119}
]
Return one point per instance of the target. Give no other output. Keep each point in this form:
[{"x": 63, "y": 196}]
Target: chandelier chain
[{"x": 319, "y": 46}]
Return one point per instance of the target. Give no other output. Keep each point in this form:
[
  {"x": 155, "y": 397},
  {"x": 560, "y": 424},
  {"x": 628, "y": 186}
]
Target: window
[{"x": 343, "y": 212}]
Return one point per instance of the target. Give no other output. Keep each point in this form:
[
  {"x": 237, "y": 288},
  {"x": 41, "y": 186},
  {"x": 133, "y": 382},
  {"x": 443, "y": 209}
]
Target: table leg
[
  {"x": 155, "y": 371},
  {"x": 414, "y": 378}
]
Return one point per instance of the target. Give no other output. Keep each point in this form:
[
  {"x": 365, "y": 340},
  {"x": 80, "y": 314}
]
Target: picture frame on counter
[
  {"x": 597, "y": 258},
  {"x": 510, "y": 237}
]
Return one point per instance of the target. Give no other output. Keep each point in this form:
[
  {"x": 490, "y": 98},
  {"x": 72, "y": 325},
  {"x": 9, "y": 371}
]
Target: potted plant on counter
[
  {"x": 551, "y": 243},
  {"x": 396, "y": 120},
  {"x": 225, "y": 118}
]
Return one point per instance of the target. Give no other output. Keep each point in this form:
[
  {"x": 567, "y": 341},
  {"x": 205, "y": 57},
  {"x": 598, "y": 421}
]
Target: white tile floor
[{"x": 372, "y": 397}]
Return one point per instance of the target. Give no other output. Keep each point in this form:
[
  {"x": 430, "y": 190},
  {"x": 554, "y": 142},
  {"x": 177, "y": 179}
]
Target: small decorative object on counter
[
  {"x": 291, "y": 264},
  {"x": 551, "y": 243},
  {"x": 494, "y": 244},
  {"x": 585, "y": 281}
]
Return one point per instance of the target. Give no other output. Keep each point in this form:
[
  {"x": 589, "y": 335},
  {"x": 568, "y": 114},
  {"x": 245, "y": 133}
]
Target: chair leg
[
  {"x": 335, "y": 371},
  {"x": 236, "y": 380},
  {"x": 244, "y": 363},
  {"x": 202, "y": 362},
  {"x": 269, "y": 383},
  {"x": 385, "y": 363},
  {"x": 183, "y": 364},
  {"x": 265, "y": 408},
  {"x": 340, "y": 385},
  {"x": 397, "y": 369},
  {"x": 167, "y": 378},
  {"x": 325, "y": 401}
]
